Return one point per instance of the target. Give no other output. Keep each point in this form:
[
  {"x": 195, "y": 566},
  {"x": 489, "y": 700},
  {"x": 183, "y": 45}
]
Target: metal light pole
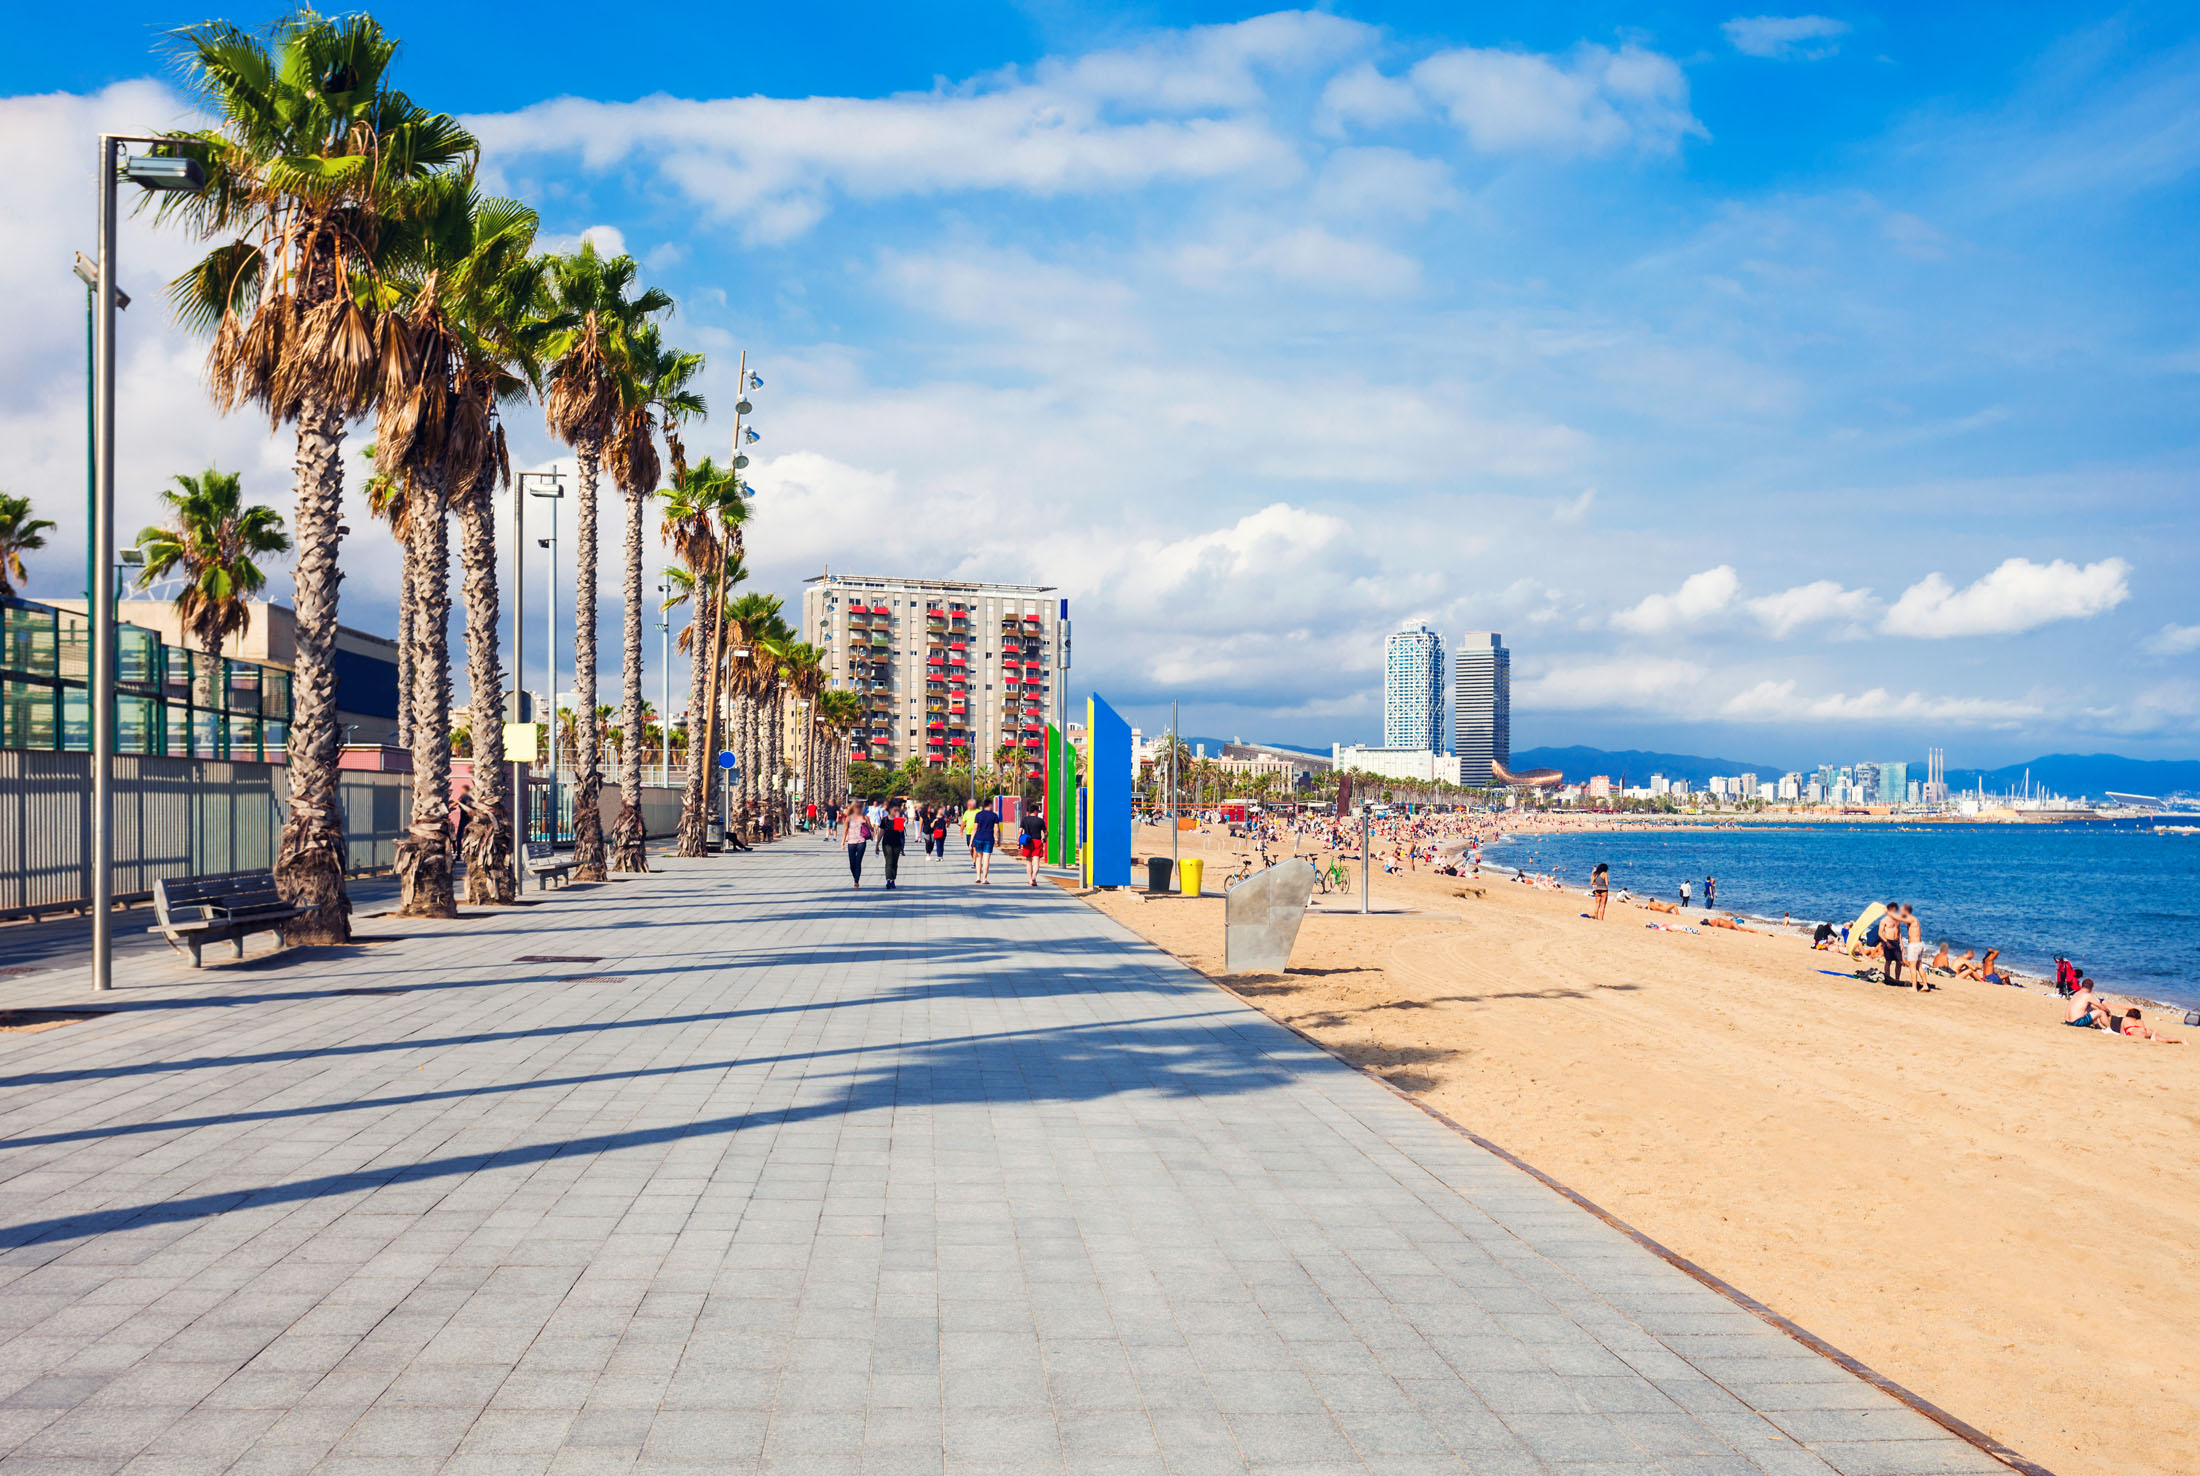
[
  {"x": 519, "y": 706},
  {"x": 664, "y": 676},
  {"x": 1172, "y": 789},
  {"x": 1367, "y": 854},
  {"x": 183, "y": 176},
  {"x": 555, "y": 495}
]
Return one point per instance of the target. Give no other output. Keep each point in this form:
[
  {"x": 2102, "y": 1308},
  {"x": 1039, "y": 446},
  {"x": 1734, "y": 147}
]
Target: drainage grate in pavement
[
  {"x": 552, "y": 958},
  {"x": 30, "y": 1022},
  {"x": 17, "y": 971}
]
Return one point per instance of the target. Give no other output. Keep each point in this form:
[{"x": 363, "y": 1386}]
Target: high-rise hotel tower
[
  {"x": 1482, "y": 688},
  {"x": 1413, "y": 690}
]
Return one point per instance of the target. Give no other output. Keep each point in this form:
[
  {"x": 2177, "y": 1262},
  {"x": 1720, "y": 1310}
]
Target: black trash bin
[{"x": 1157, "y": 874}]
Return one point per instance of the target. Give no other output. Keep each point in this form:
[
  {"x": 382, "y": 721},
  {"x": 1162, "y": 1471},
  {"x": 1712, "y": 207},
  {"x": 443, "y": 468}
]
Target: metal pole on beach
[
  {"x": 1172, "y": 787},
  {"x": 1367, "y": 856}
]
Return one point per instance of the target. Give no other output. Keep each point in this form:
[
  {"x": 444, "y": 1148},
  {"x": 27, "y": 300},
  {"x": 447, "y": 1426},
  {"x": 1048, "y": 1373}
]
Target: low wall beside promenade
[{"x": 173, "y": 817}]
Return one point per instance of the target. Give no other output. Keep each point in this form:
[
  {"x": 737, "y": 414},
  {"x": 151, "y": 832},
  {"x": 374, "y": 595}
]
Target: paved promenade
[{"x": 728, "y": 1169}]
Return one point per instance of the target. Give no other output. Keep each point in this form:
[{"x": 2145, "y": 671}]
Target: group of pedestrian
[{"x": 888, "y": 824}]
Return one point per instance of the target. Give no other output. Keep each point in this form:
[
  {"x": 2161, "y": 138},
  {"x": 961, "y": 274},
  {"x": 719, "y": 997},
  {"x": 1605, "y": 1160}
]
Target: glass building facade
[{"x": 169, "y": 700}]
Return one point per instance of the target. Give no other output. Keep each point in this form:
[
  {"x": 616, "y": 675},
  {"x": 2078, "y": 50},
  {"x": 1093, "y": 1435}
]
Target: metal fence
[
  {"x": 660, "y": 810},
  {"x": 173, "y": 817}
]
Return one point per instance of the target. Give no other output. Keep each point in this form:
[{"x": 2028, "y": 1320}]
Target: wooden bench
[
  {"x": 543, "y": 864},
  {"x": 197, "y": 910}
]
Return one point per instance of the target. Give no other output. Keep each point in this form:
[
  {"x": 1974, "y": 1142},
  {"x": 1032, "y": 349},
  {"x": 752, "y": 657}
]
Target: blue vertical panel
[{"x": 1111, "y": 797}]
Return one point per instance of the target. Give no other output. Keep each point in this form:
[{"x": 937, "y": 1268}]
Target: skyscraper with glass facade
[
  {"x": 1413, "y": 690},
  {"x": 1482, "y": 723}
]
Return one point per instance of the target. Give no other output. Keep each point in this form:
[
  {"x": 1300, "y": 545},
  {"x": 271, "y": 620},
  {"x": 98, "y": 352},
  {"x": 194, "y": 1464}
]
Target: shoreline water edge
[{"x": 2117, "y": 898}]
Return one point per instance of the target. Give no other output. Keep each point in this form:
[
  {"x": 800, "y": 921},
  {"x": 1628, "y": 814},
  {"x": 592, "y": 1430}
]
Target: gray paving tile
[{"x": 946, "y": 1181}]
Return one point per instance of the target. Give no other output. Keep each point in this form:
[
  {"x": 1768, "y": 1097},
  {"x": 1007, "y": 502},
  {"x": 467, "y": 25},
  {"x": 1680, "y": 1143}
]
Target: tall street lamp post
[
  {"x": 556, "y": 481},
  {"x": 664, "y": 677},
  {"x": 183, "y": 176}
]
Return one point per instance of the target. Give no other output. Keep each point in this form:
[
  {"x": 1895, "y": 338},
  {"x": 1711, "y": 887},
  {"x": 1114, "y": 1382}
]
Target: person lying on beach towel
[
  {"x": 1656, "y": 906},
  {"x": 1825, "y": 937},
  {"x": 2138, "y": 1029},
  {"x": 1713, "y": 920}
]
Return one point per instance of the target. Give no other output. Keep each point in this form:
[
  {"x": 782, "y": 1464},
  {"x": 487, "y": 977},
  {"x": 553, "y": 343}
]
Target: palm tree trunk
[
  {"x": 424, "y": 854},
  {"x": 775, "y": 772},
  {"x": 404, "y": 649},
  {"x": 628, "y": 849},
  {"x": 702, "y": 644},
  {"x": 588, "y": 851},
  {"x": 310, "y": 857},
  {"x": 487, "y": 843}
]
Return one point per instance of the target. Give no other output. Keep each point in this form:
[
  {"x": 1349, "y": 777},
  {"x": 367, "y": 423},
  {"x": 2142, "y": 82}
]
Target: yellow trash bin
[{"x": 1188, "y": 874}]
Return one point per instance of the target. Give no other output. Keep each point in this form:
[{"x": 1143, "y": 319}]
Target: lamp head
[{"x": 167, "y": 175}]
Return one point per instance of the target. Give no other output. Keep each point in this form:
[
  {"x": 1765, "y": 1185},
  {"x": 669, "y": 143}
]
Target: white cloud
[
  {"x": 1589, "y": 102},
  {"x": 2018, "y": 596},
  {"x": 1700, "y": 597},
  {"x": 1651, "y": 684},
  {"x": 1786, "y": 37},
  {"x": 1068, "y": 127},
  {"x": 2174, "y": 640},
  {"x": 1780, "y": 702},
  {"x": 1383, "y": 184},
  {"x": 1822, "y": 601},
  {"x": 1360, "y": 96},
  {"x": 608, "y": 240},
  {"x": 1308, "y": 256},
  {"x": 1574, "y": 509}
]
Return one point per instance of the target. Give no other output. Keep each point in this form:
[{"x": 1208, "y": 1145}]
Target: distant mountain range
[
  {"x": 2088, "y": 774},
  {"x": 2074, "y": 774},
  {"x": 1635, "y": 765}
]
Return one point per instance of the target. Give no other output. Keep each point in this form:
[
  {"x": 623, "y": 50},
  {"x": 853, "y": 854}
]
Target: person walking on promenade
[
  {"x": 982, "y": 825},
  {"x": 1033, "y": 844},
  {"x": 1600, "y": 887},
  {"x": 938, "y": 824},
  {"x": 855, "y": 834},
  {"x": 893, "y": 838},
  {"x": 970, "y": 826}
]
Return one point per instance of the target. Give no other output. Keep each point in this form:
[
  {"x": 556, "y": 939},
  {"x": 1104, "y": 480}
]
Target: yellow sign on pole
[{"x": 519, "y": 743}]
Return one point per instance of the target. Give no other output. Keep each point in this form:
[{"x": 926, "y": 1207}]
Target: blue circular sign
[{"x": 726, "y": 759}]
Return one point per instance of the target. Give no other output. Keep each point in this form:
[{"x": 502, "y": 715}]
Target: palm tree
[
  {"x": 805, "y": 675},
  {"x": 448, "y": 326},
  {"x": 213, "y": 539},
  {"x": 591, "y": 386},
  {"x": 20, "y": 533},
  {"x": 312, "y": 152},
  {"x": 702, "y": 516},
  {"x": 504, "y": 314},
  {"x": 663, "y": 376},
  {"x": 386, "y": 503}
]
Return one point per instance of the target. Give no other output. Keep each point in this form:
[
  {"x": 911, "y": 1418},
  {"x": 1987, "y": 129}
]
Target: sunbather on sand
[
  {"x": 1714, "y": 920},
  {"x": 1940, "y": 962},
  {"x": 2088, "y": 1010},
  {"x": 1966, "y": 967},
  {"x": 2138, "y": 1029},
  {"x": 1656, "y": 906}
]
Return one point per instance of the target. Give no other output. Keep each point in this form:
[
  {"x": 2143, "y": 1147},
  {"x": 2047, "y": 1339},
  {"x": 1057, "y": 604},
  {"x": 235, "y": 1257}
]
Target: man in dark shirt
[
  {"x": 892, "y": 836},
  {"x": 981, "y": 841}
]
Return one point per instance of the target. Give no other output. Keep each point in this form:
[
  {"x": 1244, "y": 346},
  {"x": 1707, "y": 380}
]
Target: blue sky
[{"x": 1794, "y": 385}]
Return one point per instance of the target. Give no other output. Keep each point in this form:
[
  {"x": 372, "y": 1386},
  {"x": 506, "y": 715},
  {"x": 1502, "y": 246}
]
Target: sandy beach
[{"x": 1996, "y": 1211}]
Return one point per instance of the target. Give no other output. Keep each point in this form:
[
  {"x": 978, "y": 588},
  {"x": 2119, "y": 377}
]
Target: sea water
[{"x": 2119, "y": 899}]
